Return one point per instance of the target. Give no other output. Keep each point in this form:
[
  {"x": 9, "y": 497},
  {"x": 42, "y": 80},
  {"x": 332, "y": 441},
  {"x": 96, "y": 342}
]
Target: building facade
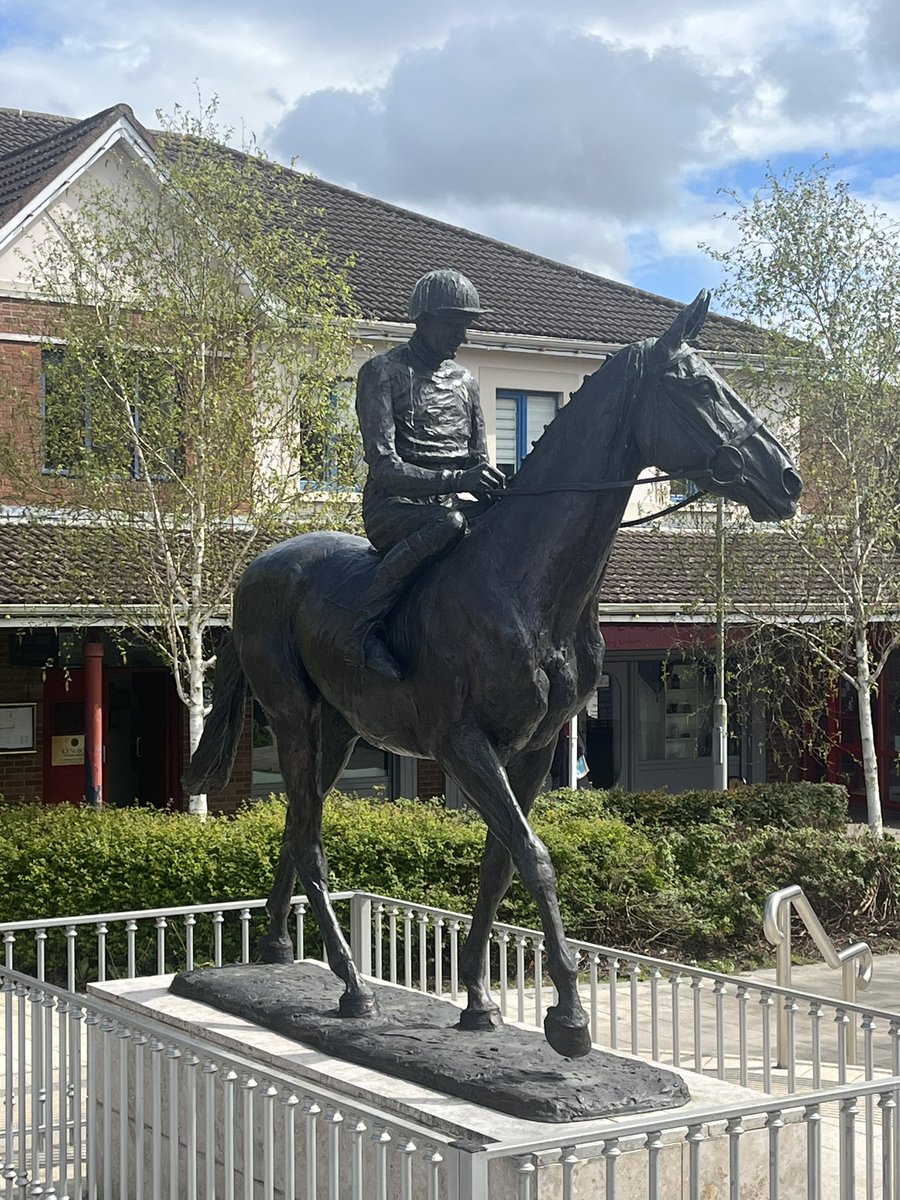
[{"x": 64, "y": 661}]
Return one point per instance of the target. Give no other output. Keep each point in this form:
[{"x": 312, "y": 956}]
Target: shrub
[
  {"x": 686, "y": 875},
  {"x": 790, "y": 805},
  {"x": 60, "y": 861}
]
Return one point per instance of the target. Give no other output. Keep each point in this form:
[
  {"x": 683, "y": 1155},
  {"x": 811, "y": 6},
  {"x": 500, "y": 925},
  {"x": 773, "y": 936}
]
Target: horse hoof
[
  {"x": 480, "y": 1020},
  {"x": 569, "y": 1037},
  {"x": 357, "y": 1004},
  {"x": 276, "y": 949}
]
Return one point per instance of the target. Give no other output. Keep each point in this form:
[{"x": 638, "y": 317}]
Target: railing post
[
  {"x": 783, "y": 979},
  {"x": 848, "y": 972},
  {"x": 855, "y": 961},
  {"x": 469, "y": 1171},
  {"x": 361, "y": 933}
]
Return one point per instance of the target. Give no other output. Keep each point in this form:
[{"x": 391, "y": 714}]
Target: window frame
[
  {"x": 133, "y": 472},
  {"x": 521, "y": 396}
]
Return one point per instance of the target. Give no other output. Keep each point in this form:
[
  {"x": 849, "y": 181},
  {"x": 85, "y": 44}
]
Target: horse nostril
[{"x": 791, "y": 482}]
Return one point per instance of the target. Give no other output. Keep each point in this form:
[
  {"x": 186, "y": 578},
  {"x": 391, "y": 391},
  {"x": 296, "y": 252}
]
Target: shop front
[{"x": 649, "y": 725}]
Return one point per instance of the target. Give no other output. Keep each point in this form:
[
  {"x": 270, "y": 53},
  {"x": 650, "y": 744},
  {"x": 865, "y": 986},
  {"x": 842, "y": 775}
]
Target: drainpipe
[{"x": 93, "y": 724}]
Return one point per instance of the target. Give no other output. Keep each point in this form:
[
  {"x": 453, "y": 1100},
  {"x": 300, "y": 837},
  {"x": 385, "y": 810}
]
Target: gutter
[
  {"x": 40, "y": 616},
  {"x": 784, "y": 614},
  {"x": 526, "y": 343}
]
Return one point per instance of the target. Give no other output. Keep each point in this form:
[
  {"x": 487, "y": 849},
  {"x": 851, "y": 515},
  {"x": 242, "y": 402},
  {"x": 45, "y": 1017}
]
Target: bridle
[{"x": 726, "y": 465}]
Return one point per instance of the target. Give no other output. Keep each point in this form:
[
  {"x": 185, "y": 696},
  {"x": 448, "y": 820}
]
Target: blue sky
[{"x": 599, "y": 132}]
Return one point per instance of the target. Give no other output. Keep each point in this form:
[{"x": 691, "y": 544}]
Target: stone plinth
[{"x": 434, "y": 1114}]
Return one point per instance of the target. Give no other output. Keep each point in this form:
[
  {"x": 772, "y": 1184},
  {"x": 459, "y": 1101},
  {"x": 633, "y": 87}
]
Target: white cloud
[
  {"x": 582, "y": 130},
  {"x": 573, "y": 122}
]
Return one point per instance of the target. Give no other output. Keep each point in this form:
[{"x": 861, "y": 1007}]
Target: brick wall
[
  {"x": 28, "y": 317},
  {"x": 20, "y": 396},
  {"x": 431, "y": 780},
  {"x": 21, "y": 775}
]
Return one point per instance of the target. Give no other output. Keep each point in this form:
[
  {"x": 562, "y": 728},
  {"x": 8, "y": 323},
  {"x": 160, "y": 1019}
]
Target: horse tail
[{"x": 213, "y": 760}]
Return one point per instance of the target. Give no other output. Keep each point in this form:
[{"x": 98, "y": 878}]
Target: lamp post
[
  {"x": 573, "y": 752},
  {"x": 720, "y": 706}
]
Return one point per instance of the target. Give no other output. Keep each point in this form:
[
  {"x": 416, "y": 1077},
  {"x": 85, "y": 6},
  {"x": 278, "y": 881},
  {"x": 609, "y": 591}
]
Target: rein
[{"x": 607, "y": 487}]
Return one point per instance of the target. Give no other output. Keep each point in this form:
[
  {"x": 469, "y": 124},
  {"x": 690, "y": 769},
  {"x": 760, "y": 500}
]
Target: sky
[{"x": 597, "y": 132}]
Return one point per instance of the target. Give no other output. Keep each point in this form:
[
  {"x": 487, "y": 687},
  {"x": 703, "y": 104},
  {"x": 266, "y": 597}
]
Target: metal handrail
[
  {"x": 139, "y": 914},
  {"x": 777, "y": 928}
]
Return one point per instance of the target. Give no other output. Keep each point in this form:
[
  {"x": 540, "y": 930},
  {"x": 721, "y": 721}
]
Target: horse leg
[
  {"x": 276, "y": 946},
  {"x": 526, "y": 773},
  {"x": 469, "y": 757},
  {"x": 311, "y": 759}
]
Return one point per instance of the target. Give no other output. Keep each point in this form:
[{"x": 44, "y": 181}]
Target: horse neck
[{"x": 553, "y": 548}]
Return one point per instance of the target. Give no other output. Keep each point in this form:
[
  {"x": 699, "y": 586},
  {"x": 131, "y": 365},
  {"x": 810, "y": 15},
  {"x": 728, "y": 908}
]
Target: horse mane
[{"x": 612, "y": 386}]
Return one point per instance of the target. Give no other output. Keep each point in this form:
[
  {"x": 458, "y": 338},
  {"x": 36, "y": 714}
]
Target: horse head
[{"x": 696, "y": 426}]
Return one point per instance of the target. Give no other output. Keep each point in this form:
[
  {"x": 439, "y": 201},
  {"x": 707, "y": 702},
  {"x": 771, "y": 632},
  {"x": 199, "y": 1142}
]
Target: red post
[{"x": 93, "y": 723}]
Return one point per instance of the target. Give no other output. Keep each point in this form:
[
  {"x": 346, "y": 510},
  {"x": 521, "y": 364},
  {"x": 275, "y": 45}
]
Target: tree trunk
[
  {"x": 196, "y": 714},
  {"x": 867, "y": 735}
]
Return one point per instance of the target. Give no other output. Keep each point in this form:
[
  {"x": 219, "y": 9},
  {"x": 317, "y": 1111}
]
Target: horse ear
[{"x": 687, "y": 324}]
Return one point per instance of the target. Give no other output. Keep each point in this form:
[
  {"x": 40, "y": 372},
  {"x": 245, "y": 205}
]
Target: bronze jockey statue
[{"x": 423, "y": 436}]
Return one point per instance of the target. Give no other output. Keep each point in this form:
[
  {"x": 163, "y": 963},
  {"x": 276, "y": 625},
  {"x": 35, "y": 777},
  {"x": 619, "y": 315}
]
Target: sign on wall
[
  {"x": 67, "y": 750},
  {"x": 18, "y": 728}
]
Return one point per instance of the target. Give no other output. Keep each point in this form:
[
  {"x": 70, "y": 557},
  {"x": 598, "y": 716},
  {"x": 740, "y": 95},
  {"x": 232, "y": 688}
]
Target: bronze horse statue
[{"x": 499, "y": 640}]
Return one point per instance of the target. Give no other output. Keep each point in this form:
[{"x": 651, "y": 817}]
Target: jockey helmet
[{"x": 444, "y": 292}]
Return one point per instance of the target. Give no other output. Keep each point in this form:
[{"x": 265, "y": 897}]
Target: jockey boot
[{"x": 366, "y": 645}]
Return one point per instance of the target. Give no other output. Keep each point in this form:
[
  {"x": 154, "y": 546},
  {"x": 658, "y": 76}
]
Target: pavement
[{"x": 883, "y": 992}]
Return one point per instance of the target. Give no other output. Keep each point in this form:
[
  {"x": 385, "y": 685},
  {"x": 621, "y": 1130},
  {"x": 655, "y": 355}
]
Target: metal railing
[
  {"x": 98, "y": 946},
  {"x": 684, "y": 1016},
  {"x": 814, "y": 1147},
  {"x": 854, "y": 962},
  {"x": 219, "y": 1123},
  {"x": 677, "y": 1014},
  {"x": 101, "y": 1102}
]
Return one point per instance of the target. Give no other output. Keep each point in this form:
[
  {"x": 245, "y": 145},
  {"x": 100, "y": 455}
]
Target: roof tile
[
  {"x": 47, "y": 563},
  {"x": 26, "y": 169},
  {"x": 392, "y": 247}
]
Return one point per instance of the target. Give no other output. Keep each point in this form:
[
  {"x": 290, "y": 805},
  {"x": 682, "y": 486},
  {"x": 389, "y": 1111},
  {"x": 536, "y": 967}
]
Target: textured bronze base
[{"x": 417, "y": 1038}]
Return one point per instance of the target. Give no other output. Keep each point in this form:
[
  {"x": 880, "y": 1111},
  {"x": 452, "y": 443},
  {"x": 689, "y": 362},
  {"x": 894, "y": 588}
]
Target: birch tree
[
  {"x": 195, "y": 402},
  {"x": 819, "y": 272}
]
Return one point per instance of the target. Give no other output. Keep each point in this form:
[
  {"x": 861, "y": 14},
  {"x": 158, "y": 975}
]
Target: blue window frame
[{"x": 521, "y": 419}]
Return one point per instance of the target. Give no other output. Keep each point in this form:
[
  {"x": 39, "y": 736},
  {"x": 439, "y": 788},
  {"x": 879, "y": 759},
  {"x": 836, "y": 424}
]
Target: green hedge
[
  {"x": 656, "y": 881},
  {"x": 790, "y": 805}
]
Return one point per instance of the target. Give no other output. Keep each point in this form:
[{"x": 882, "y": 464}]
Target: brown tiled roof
[
  {"x": 527, "y": 293},
  {"x": 26, "y": 169},
  {"x": 82, "y": 566},
  {"x": 19, "y": 128},
  {"x": 393, "y": 246},
  {"x": 679, "y": 568},
  {"x": 68, "y": 565}
]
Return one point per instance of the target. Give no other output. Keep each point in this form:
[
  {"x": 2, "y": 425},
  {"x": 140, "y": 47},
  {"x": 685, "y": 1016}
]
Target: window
[
  {"x": 686, "y": 489},
  {"x": 344, "y": 468},
  {"x": 521, "y": 419},
  {"x": 327, "y": 447},
  {"x": 681, "y": 489},
  {"x": 83, "y": 418},
  {"x": 365, "y": 774},
  {"x": 674, "y": 710}
]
